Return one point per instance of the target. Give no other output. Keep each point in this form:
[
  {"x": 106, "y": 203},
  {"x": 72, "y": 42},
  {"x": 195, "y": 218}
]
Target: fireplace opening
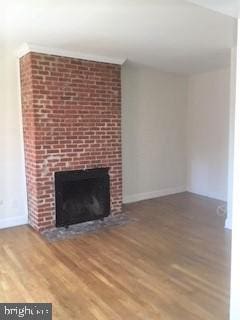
[{"x": 81, "y": 195}]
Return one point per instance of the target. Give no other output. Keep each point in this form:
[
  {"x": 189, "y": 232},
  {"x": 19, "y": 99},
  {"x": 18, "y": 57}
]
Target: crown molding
[{"x": 26, "y": 48}]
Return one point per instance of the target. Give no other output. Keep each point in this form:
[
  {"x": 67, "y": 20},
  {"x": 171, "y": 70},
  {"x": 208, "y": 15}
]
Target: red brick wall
[{"x": 71, "y": 121}]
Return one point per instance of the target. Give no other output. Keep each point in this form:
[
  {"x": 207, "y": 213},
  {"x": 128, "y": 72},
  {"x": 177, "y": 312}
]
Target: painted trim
[
  {"x": 153, "y": 194},
  {"x": 26, "y": 48},
  {"x": 22, "y": 140},
  {"x": 13, "y": 221},
  {"x": 228, "y": 224},
  {"x": 208, "y": 195}
]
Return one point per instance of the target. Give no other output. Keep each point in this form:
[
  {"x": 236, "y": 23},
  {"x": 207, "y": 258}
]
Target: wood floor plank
[{"x": 171, "y": 263}]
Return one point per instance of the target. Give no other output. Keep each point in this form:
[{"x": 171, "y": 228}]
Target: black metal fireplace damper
[{"x": 81, "y": 195}]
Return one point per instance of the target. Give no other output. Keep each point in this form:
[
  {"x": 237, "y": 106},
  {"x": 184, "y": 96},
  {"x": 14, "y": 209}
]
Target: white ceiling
[
  {"x": 172, "y": 35},
  {"x": 228, "y": 7}
]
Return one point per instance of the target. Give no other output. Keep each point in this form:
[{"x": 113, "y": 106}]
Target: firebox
[{"x": 81, "y": 195}]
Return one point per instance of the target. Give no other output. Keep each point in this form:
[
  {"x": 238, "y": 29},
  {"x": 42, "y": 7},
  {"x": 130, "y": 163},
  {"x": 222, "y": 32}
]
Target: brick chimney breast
[{"x": 71, "y": 121}]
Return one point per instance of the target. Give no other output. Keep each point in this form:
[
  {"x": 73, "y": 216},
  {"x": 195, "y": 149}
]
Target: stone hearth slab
[{"x": 72, "y": 231}]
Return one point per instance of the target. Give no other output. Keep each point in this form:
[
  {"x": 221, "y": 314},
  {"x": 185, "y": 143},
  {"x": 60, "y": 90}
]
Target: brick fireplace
[{"x": 71, "y": 121}]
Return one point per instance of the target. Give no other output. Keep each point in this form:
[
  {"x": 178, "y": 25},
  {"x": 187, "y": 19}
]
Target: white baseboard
[
  {"x": 13, "y": 221},
  {"x": 228, "y": 224},
  {"x": 152, "y": 194},
  {"x": 208, "y": 195}
]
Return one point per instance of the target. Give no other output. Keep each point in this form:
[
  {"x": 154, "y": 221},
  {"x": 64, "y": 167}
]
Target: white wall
[
  {"x": 235, "y": 266},
  {"x": 208, "y": 132},
  {"x": 175, "y": 133},
  {"x": 12, "y": 187},
  {"x": 228, "y": 223},
  {"x": 155, "y": 119},
  {"x": 154, "y": 141}
]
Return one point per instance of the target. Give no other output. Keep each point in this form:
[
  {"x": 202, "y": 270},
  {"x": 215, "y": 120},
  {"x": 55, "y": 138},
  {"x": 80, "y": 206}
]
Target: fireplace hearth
[{"x": 81, "y": 195}]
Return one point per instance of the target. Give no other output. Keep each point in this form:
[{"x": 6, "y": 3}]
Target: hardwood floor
[{"x": 173, "y": 263}]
